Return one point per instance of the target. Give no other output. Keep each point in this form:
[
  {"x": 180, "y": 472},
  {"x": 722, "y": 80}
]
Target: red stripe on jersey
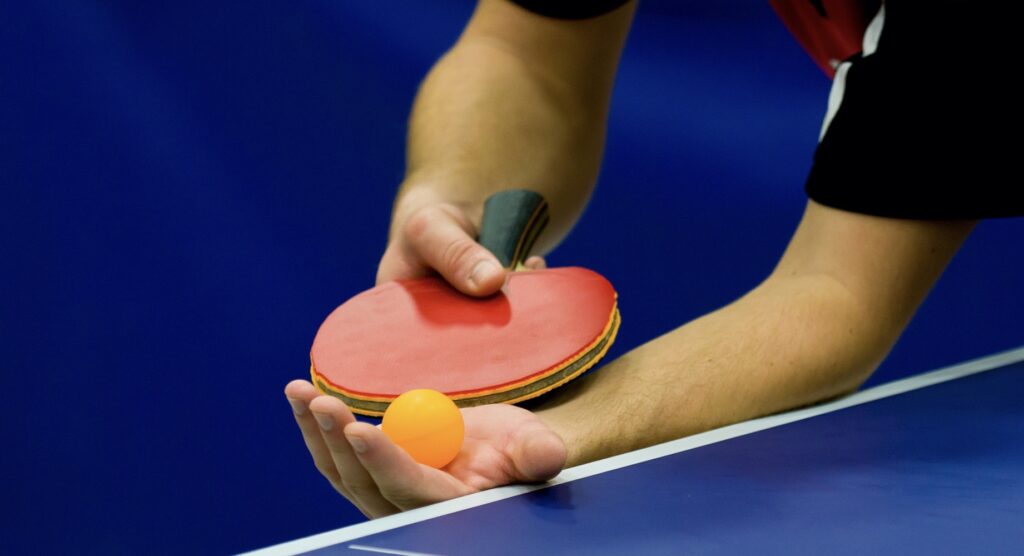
[{"x": 829, "y": 30}]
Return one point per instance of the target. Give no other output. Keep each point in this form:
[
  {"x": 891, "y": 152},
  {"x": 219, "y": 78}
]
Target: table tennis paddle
[{"x": 545, "y": 328}]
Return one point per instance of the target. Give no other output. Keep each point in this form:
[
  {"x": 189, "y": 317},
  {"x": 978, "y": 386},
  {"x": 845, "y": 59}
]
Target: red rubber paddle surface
[{"x": 424, "y": 334}]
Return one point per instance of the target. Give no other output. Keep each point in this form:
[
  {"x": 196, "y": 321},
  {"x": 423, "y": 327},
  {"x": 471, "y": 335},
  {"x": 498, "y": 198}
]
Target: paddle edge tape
[{"x": 530, "y": 387}]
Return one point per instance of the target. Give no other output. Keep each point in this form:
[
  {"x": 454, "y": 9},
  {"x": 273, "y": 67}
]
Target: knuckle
[
  {"x": 329, "y": 471},
  {"x": 420, "y": 222},
  {"x": 403, "y": 499},
  {"x": 340, "y": 489},
  {"x": 360, "y": 489}
]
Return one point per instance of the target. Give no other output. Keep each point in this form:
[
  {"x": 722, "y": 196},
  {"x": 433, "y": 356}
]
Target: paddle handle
[{"x": 513, "y": 219}]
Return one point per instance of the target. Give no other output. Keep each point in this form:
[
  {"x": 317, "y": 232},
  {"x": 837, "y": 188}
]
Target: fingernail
[
  {"x": 482, "y": 272},
  {"x": 358, "y": 444},
  {"x": 298, "y": 407},
  {"x": 326, "y": 421}
]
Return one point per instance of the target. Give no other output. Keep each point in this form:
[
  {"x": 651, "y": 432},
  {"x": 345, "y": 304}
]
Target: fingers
[
  {"x": 401, "y": 480},
  {"x": 441, "y": 237},
  {"x": 535, "y": 263},
  {"x": 314, "y": 413},
  {"x": 356, "y": 484},
  {"x": 300, "y": 393}
]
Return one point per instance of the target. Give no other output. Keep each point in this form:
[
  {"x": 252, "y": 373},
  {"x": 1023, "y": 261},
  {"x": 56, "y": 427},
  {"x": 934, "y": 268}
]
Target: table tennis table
[{"x": 929, "y": 464}]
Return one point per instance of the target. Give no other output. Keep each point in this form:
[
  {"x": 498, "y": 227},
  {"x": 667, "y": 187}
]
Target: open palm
[{"x": 504, "y": 444}]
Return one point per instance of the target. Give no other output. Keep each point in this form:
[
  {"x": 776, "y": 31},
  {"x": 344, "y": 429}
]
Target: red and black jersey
[
  {"x": 923, "y": 115},
  {"x": 829, "y": 30}
]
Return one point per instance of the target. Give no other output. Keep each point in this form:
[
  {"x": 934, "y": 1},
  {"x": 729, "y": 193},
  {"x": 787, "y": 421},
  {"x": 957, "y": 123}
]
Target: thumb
[
  {"x": 441, "y": 237},
  {"x": 537, "y": 453}
]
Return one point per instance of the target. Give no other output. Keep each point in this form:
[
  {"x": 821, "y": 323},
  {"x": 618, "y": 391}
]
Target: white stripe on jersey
[{"x": 835, "y": 95}]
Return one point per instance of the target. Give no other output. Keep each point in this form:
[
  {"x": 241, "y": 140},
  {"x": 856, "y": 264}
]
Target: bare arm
[
  {"x": 521, "y": 100},
  {"x": 816, "y": 328}
]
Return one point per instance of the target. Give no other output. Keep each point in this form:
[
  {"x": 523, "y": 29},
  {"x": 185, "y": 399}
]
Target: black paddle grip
[{"x": 513, "y": 219}]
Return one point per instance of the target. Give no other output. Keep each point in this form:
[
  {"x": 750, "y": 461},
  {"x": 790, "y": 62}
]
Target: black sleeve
[
  {"x": 570, "y": 9},
  {"x": 928, "y": 124}
]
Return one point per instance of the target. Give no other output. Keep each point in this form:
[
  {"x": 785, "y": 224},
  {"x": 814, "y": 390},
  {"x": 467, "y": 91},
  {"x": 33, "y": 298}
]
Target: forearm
[
  {"x": 790, "y": 342},
  {"x": 496, "y": 113},
  {"x": 483, "y": 122},
  {"x": 841, "y": 295}
]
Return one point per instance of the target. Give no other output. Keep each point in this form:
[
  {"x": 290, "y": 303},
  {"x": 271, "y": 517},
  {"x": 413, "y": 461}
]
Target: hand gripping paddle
[{"x": 545, "y": 327}]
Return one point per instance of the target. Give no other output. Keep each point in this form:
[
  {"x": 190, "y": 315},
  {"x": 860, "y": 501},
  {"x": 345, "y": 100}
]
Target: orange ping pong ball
[{"x": 427, "y": 425}]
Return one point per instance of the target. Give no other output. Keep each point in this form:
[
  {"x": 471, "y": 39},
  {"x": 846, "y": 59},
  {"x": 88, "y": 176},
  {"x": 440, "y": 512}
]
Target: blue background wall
[{"x": 189, "y": 187}]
